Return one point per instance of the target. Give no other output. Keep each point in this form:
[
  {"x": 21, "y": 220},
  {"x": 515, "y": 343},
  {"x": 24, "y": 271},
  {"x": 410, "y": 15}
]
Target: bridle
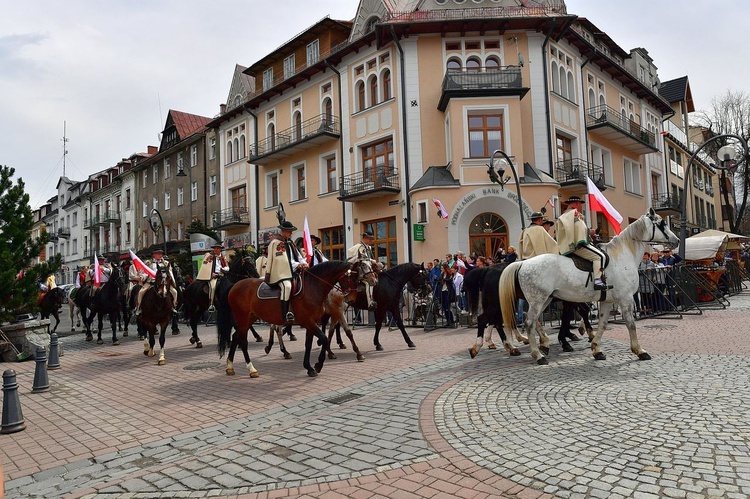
[{"x": 661, "y": 226}]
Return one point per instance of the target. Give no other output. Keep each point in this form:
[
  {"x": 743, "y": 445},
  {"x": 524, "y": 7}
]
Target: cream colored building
[{"x": 358, "y": 125}]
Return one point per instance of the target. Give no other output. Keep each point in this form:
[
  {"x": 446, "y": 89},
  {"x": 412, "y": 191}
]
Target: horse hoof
[
  {"x": 360, "y": 358},
  {"x": 292, "y": 337},
  {"x": 573, "y": 337},
  {"x": 89, "y": 338},
  {"x": 267, "y": 350},
  {"x": 161, "y": 362},
  {"x": 116, "y": 342},
  {"x": 318, "y": 367},
  {"x": 473, "y": 352},
  {"x": 287, "y": 355},
  {"x": 319, "y": 343},
  {"x": 567, "y": 348},
  {"x": 492, "y": 346},
  {"x": 230, "y": 372},
  {"x": 311, "y": 373},
  {"x": 151, "y": 353},
  {"x": 258, "y": 340},
  {"x": 342, "y": 346},
  {"x": 515, "y": 352},
  {"x": 331, "y": 356},
  {"x": 411, "y": 345},
  {"x": 379, "y": 348},
  {"x": 125, "y": 334},
  {"x": 192, "y": 340},
  {"x": 254, "y": 374},
  {"x": 544, "y": 350},
  {"x": 600, "y": 356},
  {"x": 644, "y": 356},
  {"x": 99, "y": 342},
  {"x": 199, "y": 345},
  {"x": 175, "y": 332},
  {"x": 542, "y": 361}
]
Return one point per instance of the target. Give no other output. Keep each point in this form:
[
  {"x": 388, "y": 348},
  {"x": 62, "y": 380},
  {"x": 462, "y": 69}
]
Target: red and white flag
[
  {"x": 597, "y": 202},
  {"x": 139, "y": 265},
  {"x": 97, "y": 272},
  {"x": 307, "y": 242},
  {"x": 442, "y": 212}
]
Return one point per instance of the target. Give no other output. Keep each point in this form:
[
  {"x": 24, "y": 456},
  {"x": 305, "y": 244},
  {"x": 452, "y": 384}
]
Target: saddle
[
  {"x": 586, "y": 265},
  {"x": 270, "y": 292}
]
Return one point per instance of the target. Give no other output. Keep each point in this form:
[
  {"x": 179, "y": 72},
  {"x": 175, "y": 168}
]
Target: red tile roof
[{"x": 188, "y": 124}]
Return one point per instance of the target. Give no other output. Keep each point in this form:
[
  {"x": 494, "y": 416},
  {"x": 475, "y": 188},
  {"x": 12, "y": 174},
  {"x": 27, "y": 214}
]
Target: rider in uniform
[
  {"x": 283, "y": 259},
  {"x": 217, "y": 263},
  {"x": 573, "y": 238},
  {"x": 363, "y": 251},
  {"x": 535, "y": 240},
  {"x": 262, "y": 261},
  {"x": 105, "y": 269},
  {"x": 159, "y": 260},
  {"x": 317, "y": 255}
]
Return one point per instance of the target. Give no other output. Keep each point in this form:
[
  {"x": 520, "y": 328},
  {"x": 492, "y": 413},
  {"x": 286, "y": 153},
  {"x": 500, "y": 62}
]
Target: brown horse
[
  {"x": 307, "y": 306},
  {"x": 156, "y": 310}
]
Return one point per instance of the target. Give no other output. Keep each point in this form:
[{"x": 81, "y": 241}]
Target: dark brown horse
[
  {"x": 245, "y": 306},
  {"x": 50, "y": 304},
  {"x": 101, "y": 302},
  {"x": 156, "y": 310}
]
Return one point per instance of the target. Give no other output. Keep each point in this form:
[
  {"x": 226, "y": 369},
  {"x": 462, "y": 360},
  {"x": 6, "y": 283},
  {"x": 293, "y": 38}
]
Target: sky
[{"x": 105, "y": 74}]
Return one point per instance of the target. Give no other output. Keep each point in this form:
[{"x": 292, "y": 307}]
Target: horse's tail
[
  {"x": 508, "y": 295},
  {"x": 224, "y": 317}
]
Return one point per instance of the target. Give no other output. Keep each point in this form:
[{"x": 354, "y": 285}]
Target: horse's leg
[
  {"x": 604, "y": 309},
  {"x": 162, "y": 339},
  {"x": 376, "y": 339},
  {"x": 87, "y": 323},
  {"x": 323, "y": 349},
  {"x": 342, "y": 322},
  {"x": 509, "y": 347},
  {"x": 113, "y": 323},
  {"x": 308, "y": 347},
  {"x": 194, "y": 339},
  {"x": 242, "y": 341},
  {"x": 584, "y": 310},
  {"x": 481, "y": 328},
  {"x": 57, "y": 321},
  {"x": 100, "y": 323},
  {"x": 629, "y": 315},
  {"x": 331, "y": 329},
  {"x": 268, "y": 347},
  {"x": 280, "y": 336},
  {"x": 230, "y": 355},
  {"x": 487, "y": 337},
  {"x": 258, "y": 338},
  {"x": 529, "y": 324},
  {"x": 396, "y": 314},
  {"x": 339, "y": 341},
  {"x": 148, "y": 344}
]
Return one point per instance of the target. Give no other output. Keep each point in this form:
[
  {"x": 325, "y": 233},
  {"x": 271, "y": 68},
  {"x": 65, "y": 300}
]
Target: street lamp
[
  {"x": 181, "y": 173},
  {"x": 726, "y": 156},
  {"x": 156, "y": 223},
  {"x": 497, "y": 178}
]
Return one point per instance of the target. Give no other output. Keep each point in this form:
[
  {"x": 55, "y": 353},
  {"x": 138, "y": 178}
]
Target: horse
[
  {"x": 75, "y": 312},
  {"x": 543, "y": 277},
  {"x": 245, "y": 307},
  {"x": 195, "y": 296},
  {"x": 104, "y": 301},
  {"x": 50, "y": 304},
  {"x": 156, "y": 310}
]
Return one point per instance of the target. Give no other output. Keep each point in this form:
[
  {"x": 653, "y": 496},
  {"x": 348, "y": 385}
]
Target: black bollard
[
  {"x": 12, "y": 414},
  {"x": 54, "y": 353},
  {"x": 41, "y": 382}
]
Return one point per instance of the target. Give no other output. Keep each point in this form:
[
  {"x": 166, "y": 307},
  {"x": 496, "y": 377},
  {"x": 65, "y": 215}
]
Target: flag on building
[
  {"x": 140, "y": 266},
  {"x": 597, "y": 202},
  {"x": 544, "y": 208},
  {"x": 442, "y": 212},
  {"x": 307, "y": 242},
  {"x": 97, "y": 272}
]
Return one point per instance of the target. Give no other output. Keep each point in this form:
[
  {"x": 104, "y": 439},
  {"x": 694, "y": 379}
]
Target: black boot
[{"x": 286, "y": 315}]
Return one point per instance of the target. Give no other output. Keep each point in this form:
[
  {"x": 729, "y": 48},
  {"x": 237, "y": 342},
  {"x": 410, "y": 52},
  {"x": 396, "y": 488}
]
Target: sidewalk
[{"x": 429, "y": 422}]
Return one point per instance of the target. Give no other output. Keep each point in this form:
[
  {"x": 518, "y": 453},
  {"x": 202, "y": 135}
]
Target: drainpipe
[
  {"x": 257, "y": 190},
  {"x": 583, "y": 95},
  {"x": 406, "y": 146},
  {"x": 546, "y": 99},
  {"x": 341, "y": 142}
]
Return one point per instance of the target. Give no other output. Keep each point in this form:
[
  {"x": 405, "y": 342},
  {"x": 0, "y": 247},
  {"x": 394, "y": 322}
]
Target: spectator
[
  {"x": 447, "y": 293},
  {"x": 511, "y": 256},
  {"x": 659, "y": 282},
  {"x": 645, "y": 286},
  {"x": 435, "y": 275},
  {"x": 458, "y": 281}
]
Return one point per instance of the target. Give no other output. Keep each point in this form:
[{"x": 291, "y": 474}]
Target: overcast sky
[{"x": 111, "y": 70}]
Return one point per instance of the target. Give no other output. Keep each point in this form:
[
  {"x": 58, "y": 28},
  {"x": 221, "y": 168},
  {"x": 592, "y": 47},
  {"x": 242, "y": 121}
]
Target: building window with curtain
[
  {"x": 485, "y": 134},
  {"x": 332, "y": 243},
  {"x": 377, "y": 161}
]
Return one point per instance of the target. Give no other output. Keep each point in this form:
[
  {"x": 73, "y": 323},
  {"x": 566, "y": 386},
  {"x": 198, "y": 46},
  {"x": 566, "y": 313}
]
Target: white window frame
[
  {"x": 167, "y": 200},
  {"x": 179, "y": 230},
  {"x": 145, "y": 209},
  {"x": 167, "y": 168},
  {"x": 212, "y": 185},
  {"x": 155, "y": 173},
  {"x": 474, "y": 110},
  {"x": 212, "y": 149},
  {"x": 155, "y": 203},
  {"x": 193, "y": 155},
  {"x": 194, "y": 191},
  {"x": 145, "y": 179},
  {"x": 602, "y": 157},
  {"x": 293, "y": 181},
  {"x": 267, "y": 78},
  {"x": 289, "y": 66},
  {"x": 269, "y": 198},
  {"x": 423, "y": 203},
  {"x": 323, "y": 187},
  {"x": 180, "y": 196},
  {"x": 632, "y": 176},
  {"x": 313, "y": 52}
]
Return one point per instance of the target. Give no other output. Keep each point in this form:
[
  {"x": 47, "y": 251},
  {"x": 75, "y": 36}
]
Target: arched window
[
  {"x": 563, "y": 82},
  {"x": 360, "y": 95},
  {"x": 488, "y": 233},
  {"x": 555, "y": 78},
  {"x": 272, "y": 135},
  {"x": 373, "y": 90},
  {"x": 385, "y": 82},
  {"x": 229, "y": 152},
  {"x": 453, "y": 63},
  {"x": 602, "y": 100},
  {"x": 571, "y": 87},
  {"x": 297, "y": 119},
  {"x": 236, "y": 148},
  {"x": 328, "y": 110},
  {"x": 473, "y": 64},
  {"x": 242, "y": 151},
  {"x": 492, "y": 63},
  {"x": 592, "y": 98}
]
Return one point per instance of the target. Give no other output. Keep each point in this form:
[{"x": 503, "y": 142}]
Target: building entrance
[{"x": 487, "y": 234}]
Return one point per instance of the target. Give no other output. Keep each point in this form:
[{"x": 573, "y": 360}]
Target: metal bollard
[
  {"x": 54, "y": 353},
  {"x": 12, "y": 415},
  {"x": 41, "y": 382}
]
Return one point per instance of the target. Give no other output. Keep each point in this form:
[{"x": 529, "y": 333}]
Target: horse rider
[
  {"x": 573, "y": 237},
  {"x": 283, "y": 260},
  {"x": 262, "y": 261},
  {"x": 363, "y": 251},
  {"x": 159, "y": 260},
  {"x": 105, "y": 268},
  {"x": 217, "y": 263},
  {"x": 535, "y": 240},
  {"x": 317, "y": 255}
]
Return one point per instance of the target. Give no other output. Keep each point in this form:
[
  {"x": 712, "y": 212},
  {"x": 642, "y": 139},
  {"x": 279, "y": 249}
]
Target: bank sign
[{"x": 487, "y": 191}]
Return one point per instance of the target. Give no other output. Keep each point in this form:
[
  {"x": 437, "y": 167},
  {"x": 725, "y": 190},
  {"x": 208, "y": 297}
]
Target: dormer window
[{"x": 370, "y": 24}]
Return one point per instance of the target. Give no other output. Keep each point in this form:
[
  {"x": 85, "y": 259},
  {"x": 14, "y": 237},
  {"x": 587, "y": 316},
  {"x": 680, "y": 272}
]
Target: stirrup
[
  {"x": 373, "y": 305},
  {"x": 289, "y": 318},
  {"x": 212, "y": 309},
  {"x": 601, "y": 285}
]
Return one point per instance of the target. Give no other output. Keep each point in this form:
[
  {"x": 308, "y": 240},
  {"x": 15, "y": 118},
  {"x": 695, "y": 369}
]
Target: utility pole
[{"x": 65, "y": 144}]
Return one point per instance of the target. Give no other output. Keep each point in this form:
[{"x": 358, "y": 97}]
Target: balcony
[
  {"x": 92, "y": 223},
  {"x": 63, "y": 232},
  {"x": 285, "y": 143},
  {"x": 369, "y": 184},
  {"x": 111, "y": 216},
  {"x": 573, "y": 172},
  {"x": 666, "y": 205},
  {"x": 611, "y": 125},
  {"x": 481, "y": 82},
  {"x": 231, "y": 217}
]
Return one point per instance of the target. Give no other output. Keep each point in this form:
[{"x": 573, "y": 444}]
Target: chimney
[
  {"x": 153, "y": 150},
  {"x": 222, "y": 108}
]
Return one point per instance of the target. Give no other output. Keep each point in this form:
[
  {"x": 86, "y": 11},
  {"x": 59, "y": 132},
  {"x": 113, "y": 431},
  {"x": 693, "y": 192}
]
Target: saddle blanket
[{"x": 269, "y": 292}]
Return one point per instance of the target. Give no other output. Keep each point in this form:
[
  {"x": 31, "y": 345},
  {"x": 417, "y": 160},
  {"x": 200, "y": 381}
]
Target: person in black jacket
[{"x": 447, "y": 293}]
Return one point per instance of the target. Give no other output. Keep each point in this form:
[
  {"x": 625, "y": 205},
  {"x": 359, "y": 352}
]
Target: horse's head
[
  {"x": 420, "y": 277},
  {"x": 367, "y": 272},
  {"x": 163, "y": 280},
  {"x": 349, "y": 281},
  {"x": 657, "y": 230}
]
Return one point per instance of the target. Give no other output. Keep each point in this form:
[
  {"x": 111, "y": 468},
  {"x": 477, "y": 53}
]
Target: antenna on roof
[{"x": 65, "y": 144}]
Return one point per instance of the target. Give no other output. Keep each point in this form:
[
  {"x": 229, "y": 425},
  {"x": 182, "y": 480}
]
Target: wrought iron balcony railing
[
  {"x": 575, "y": 171},
  {"x": 236, "y": 216},
  {"x": 286, "y": 142},
  {"x": 666, "y": 204},
  {"x": 614, "y": 126},
  {"x": 92, "y": 222},
  {"x": 479, "y": 82},
  {"x": 370, "y": 183},
  {"x": 63, "y": 232}
]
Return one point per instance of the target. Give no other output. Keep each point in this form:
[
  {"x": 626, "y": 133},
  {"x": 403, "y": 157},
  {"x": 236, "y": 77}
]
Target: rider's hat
[
  {"x": 536, "y": 215},
  {"x": 157, "y": 250},
  {"x": 101, "y": 257},
  {"x": 548, "y": 222},
  {"x": 217, "y": 244},
  {"x": 286, "y": 225},
  {"x": 315, "y": 238},
  {"x": 368, "y": 233},
  {"x": 574, "y": 199}
]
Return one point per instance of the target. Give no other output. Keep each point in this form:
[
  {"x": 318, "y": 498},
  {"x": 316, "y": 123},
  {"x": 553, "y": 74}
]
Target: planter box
[{"x": 26, "y": 336}]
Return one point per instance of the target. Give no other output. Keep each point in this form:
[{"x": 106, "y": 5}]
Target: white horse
[
  {"x": 546, "y": 276},
  {"x": 75, "y": 312}
]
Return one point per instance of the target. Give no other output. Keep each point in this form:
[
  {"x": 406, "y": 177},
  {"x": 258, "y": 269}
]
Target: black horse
[
  {"x": 50, "y": 304},
  {"x": 156, "y": 311},
  {"x": 195, "y": 296},
  {"x": 100, "y": 302}
]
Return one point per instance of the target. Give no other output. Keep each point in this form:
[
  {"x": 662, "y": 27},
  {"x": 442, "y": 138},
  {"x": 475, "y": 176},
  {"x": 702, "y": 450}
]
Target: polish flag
[
  {"x": 307, "y": 242},
  {"x": 442, "y": 212},
  {"x": 139, "y": 265},
  {"x": 597, "y": 202},
  {"x": 97, "y": 272}
]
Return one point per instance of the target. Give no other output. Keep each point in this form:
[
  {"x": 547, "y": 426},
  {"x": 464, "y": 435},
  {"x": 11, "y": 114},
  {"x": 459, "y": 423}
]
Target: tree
[
  {"x": 18, "y": 280},
  {"x": 730, "y": 114}
]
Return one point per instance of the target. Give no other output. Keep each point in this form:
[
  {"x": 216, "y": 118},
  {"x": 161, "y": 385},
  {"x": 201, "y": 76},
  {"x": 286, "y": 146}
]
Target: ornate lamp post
[
  {"x": 726, "y": 155},
  {"x": 497, "y": 178},
  {"x": 181, "y": 173},
  {"x": 157, "y": 224}
]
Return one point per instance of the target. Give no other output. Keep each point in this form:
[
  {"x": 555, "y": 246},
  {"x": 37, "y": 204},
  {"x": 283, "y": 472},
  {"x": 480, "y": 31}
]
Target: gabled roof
[
  {"x": 435, "y": 176},
  {"x": 678, "y": 90},
  {"x": 187, "y": 124}
]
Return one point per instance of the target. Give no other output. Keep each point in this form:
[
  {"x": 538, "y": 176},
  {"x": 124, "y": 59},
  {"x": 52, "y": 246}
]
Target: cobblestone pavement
[{"x": 429, "y": 422}]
